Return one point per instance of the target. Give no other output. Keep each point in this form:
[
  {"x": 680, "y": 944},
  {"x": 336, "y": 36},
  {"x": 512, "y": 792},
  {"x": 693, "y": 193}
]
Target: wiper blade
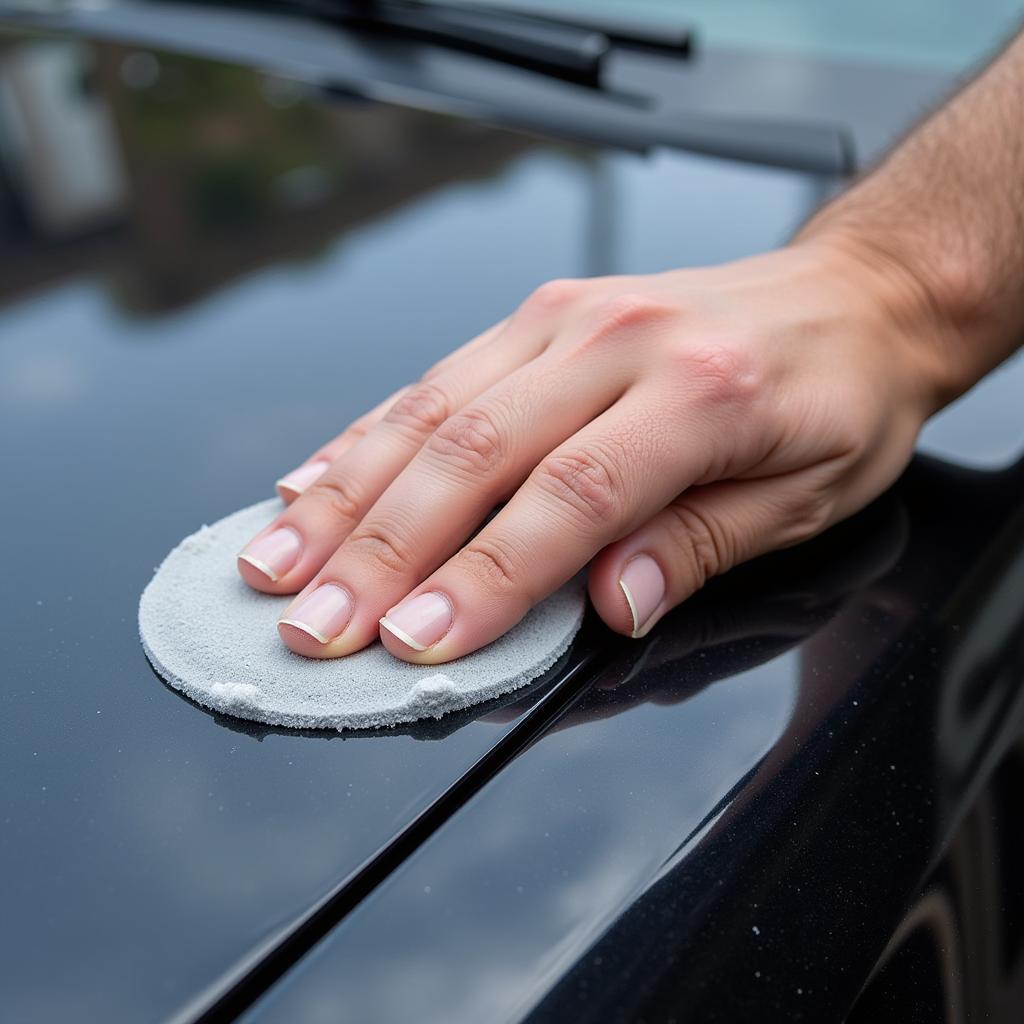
[
  {"x": 498, "y": 92},
  {"x": 572, "y": 50},
  {"x": 671, "y": 40}
]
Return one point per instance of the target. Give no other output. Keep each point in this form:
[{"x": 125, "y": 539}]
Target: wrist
[{"x": 935, "y": 307}]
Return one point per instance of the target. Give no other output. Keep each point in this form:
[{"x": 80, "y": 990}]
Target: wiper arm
[{"x": 571, "y": 50}]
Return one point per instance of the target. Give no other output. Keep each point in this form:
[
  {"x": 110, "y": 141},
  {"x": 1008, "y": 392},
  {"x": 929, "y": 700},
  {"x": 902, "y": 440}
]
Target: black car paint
[
  {"x": 731, "y": 823},
  {"x": 733, "y": 818}
]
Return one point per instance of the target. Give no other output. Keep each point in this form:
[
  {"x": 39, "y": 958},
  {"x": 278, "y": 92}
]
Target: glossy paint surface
[
  {"x": 734, "y": 820},
  {"x": 209, "y": 270}
]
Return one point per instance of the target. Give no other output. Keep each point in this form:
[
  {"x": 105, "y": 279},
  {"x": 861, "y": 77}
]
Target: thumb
[{"x": 703, "y": 533}]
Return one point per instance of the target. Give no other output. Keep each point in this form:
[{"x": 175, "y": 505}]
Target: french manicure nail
[
  {"x": 421, "y": 622},
  {"x": 274, "y": 553},
  {"x": 644, "y": 586},
  {"x": 323, "y": 614},
  {"x": 299, "y": 479}
]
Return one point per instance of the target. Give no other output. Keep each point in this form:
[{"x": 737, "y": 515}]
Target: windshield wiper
[
  {"x": 351, "y": 61},
  {"x": 573, "y": 50}
]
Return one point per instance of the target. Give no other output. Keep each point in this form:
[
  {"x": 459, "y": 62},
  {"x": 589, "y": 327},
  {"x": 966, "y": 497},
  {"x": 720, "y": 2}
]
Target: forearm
[{"x": 942, "y": 220}]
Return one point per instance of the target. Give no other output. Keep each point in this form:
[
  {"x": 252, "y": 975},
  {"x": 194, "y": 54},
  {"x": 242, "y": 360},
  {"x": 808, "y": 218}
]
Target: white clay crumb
[
  {"x": 236, "y": 692},
  {"x": 433, "y": 694}
]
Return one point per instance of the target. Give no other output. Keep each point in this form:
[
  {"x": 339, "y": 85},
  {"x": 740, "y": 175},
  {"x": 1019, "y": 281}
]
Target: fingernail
[
  {"x": 421, "y": 622},
  {"x": 274, "y": 553},
  {"x": 323, "y": 614},
  {"x": 299, "y": 479},
  {"x": 644, "y": 586}
]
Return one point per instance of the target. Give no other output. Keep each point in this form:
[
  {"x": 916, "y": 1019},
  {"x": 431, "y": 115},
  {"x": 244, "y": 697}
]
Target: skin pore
[{"x": 664, "y": 428}]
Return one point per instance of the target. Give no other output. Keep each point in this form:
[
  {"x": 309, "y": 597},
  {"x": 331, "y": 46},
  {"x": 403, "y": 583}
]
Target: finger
[
  {"x": 283, "y": 558},
  {"x": 703, "y": 533},
  {"x": 472, "y": 461},
  {"x": 471, "y": 346},
  {"x": 292, "y": 484},
  {"x": 600, "y": 484}
]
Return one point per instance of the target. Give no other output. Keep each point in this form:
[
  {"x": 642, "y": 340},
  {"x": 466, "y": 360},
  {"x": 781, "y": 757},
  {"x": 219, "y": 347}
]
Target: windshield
[{"x": 944, "y": 35}]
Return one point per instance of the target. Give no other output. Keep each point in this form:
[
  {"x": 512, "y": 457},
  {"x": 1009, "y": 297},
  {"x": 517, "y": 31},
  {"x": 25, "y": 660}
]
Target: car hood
[{"x": 209, "y": 270}]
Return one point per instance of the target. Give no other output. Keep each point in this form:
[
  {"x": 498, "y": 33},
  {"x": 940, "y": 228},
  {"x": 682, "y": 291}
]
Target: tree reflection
[{"x": 171, "y": 176}]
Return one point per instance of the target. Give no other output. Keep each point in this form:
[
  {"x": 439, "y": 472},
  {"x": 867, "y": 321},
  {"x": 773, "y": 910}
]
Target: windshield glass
[{"x": 937, "y": 34}]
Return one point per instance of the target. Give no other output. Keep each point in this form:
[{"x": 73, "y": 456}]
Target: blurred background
[{"x": 936, "y": 34}]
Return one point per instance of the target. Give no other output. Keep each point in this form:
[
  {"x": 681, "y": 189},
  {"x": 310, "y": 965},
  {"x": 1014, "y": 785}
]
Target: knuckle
[
  {"x": 806, "y": 515},
  {"x": 583, "y": 484},
  {"x": 383, "y": 544},
  {"x": 702, "y": 542},
  {"x": 470, "y": 440},
  {"x": 495, "y": 563},
  {"x": 438, "y": 368},
  {"x": 554, "y": 296},
  {"x": 338, "y": 496},
  {"x": 423, "y": 408},
  {"x": 358, "y": 429},
  {"x": 721, "y": 373},
  {"x": 626, "y": 315}
]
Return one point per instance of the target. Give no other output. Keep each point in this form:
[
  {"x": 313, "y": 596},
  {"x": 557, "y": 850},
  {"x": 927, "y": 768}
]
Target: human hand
[{"x": 663, "y": 428}]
